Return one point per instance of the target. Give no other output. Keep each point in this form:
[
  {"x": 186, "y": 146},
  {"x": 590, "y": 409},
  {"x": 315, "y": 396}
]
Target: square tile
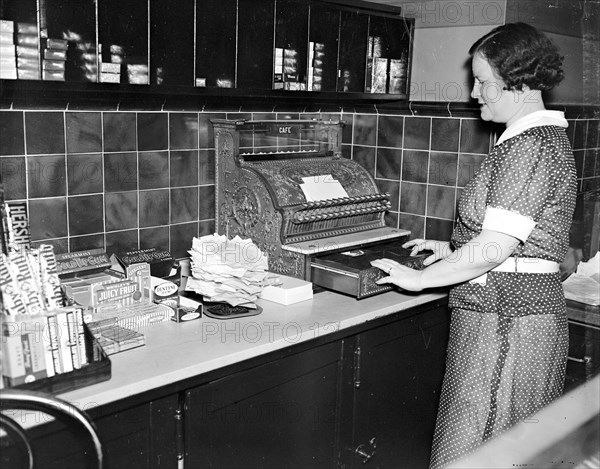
[
  {"x": 183, "y": 131},
  {"x": 119, "y": 241},
  {"x": 184, "y": 205},
  {"x": 119, "y": 130},
  {"x": 84, "y": 132},
  {"x": 206, "y": 135},
  {"x": 365, "y": 129},
  {"x": 580, "y": 134},
  {"x": 48, "y": 218},
  {"x": 438, "y": 229},
  {"x": 154, "y": 169},
  {"x": 184, "y": 168},
  {"x": 84, "y": 174},
  {"x": 181, "y": 239},
  {"x": 86, "y": 214},
  {"x": 206, "y": 205},
  {"x": 121, "y": 210},
  {"x": 445, "y": 134},
  {"x": 579, "y": 156},
  {"x": 84, "y": 243},
  {"x": 60, "y": 245},
  {"x": 589, "y": 162},
  {"x": 443, "y": 168},
  {"x": 413, "y": 197},
  {"x": 206, "y": 227},
  {"x": 417, "y": 131},
  {"x": 389, "y": 131},
  {"x": 391, "y": 219},
  {"x": 153, "y": 131},
  {"x": 44, "y": 132},
  {"x": 120, "y": 172},
  {"x": 389, "y": 163},
  {"x": 155, "y": 238},
  {"x": 365, "y": 156},
  {"x": 415, "y": 165},
  {"x": 414, "y": 223},
  {"x": 206, "y": 167},
  {"x": 13, "y": 133},
  {"x": 12, "y": 175},
  {"x": 348, "y": 120},
  {"x": 475, "y": 136},
  {"x": 392, "y": 188},
  {"x": 46, "y": 176},
  {"x": 440, "y": 202},
  {"x": 154, "y": 208}
]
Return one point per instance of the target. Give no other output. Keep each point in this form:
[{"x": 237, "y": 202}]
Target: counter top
[
  {"x": 584, "y": 313},
  {"x": 177, "y": 351}
]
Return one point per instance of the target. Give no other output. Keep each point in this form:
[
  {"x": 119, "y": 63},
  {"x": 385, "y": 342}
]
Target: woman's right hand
[{"x": 440, "y": 249}]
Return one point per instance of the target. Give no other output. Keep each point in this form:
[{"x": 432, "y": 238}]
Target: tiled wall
[{"x": 125, "y": 179}]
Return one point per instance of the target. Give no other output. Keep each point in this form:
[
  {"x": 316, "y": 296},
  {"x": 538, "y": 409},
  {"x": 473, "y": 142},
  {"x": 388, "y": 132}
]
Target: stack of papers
[{"x": 232, "y": 271}]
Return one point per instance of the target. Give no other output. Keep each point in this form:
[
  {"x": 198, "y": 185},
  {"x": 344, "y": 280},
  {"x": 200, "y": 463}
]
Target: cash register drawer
[{"x": 350, "y": 272}]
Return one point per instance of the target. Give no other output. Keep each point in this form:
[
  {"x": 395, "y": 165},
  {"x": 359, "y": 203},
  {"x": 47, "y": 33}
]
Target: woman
[{"x": 507, "y": 351}]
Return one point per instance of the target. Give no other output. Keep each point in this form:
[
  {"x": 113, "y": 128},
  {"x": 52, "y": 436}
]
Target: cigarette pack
[
  {"x": 110, "y": 77},
  {"x": 55, "y": 54},
  {"x": 53, "y": 75},
  {"x": 27, "y": 28},
  {"x": 7, "y": 26},
  {"x": 108, "y": 67},
  {"x": 28, "y": 74},
  {"x": 60, "y": 44},
  {"x": 53, "y": 65},
  {"x": 27, "y": 40}
]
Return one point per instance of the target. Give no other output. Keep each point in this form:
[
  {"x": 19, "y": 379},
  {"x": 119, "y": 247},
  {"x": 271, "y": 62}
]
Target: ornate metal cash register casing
[{"x": 260, "y": 166}]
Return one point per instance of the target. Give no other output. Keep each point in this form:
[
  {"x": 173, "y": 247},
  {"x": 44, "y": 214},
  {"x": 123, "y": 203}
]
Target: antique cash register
[{"x": 317, "y": 216}]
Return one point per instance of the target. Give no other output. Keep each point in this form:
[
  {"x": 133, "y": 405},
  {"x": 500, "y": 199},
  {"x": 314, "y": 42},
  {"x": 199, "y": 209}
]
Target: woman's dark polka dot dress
[{"x": 508, "y": 342}]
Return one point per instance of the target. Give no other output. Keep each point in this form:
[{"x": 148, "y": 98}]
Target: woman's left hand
[{"x": 399, "y": 275}]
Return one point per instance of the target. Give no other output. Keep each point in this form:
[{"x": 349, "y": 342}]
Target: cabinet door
[
  {"x": 323, "y": 47},
  {"x": 141, "y": 437},
  {"x": 216, "y": 43},
  {"x": 123, "y": 34},
  {"x": 388, "y": 55},
  {"x": 75, "y": 22},
  {"x": 397, "y": 387},
  {"x": 353, "y": 51},
  {"x": 282, "y": 414},
  {"x": 291, "y": 53},
  {"x": 172, "y": 42},
  {"x": 256, "y": 29},
  {"x": 584, "y": 354}
]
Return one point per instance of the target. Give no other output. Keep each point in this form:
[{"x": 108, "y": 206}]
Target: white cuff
[{"x": 507, "y": 222}]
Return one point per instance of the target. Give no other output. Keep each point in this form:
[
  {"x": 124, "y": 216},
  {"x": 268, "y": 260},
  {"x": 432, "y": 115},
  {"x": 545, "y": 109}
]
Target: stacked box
[
  {"x": 278, "y": 70},
  {"x": 28, "y": 51},
  {"x": 137, "y": 74},
  {"x": 54, "y": 59},
  {"x": 8, "y": 52},
  {"x": 316, "y": 54},
  {"x": 398, "y": 76},
  {"x": 110, "y": 70}
]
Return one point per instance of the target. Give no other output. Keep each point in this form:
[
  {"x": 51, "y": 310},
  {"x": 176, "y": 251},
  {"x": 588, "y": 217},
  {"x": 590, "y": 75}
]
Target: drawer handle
[{"x": 585, "y": 360}]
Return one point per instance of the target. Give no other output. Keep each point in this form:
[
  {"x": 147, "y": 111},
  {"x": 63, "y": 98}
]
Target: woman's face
[{"x": 496, "y": 103}]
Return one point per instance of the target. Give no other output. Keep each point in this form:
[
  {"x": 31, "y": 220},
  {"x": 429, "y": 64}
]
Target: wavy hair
[{"x": 521, "y": 55}]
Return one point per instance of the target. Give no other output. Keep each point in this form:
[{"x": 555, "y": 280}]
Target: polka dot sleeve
[{"x": 520, "y": 185}]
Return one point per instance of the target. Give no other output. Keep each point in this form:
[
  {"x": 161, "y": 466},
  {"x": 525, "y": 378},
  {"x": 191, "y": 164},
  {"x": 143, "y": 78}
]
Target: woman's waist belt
[{"x": 526, "y": 265}]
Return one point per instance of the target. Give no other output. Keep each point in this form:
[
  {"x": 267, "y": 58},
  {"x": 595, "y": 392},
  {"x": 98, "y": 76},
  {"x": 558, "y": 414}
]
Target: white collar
[{"x": 534, "y": 119}]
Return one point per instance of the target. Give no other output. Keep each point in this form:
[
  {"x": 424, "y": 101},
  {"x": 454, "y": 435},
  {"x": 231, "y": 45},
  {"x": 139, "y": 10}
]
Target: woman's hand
[
  {"x": 399, "y": 275},
  {"x": 441, "y": 249}
]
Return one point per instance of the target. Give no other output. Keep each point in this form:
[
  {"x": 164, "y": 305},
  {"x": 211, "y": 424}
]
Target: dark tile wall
[{"x": 126, "y": 179}]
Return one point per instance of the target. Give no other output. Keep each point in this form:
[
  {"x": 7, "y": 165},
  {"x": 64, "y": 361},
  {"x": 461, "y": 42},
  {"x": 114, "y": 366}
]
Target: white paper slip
[{"x": 322, "y": 187}]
